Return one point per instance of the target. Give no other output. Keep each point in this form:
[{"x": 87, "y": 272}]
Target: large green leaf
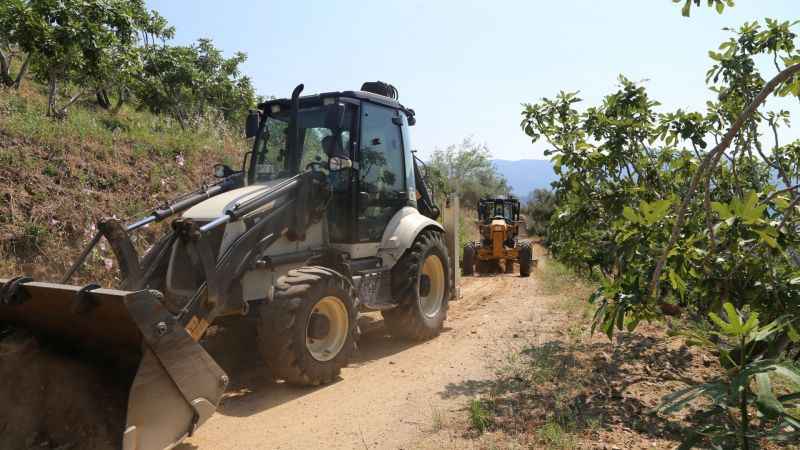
[
  {"x": 631, "y": 215},
  {"x": 654, "y": 211},
  {"x": 731, "y": 327},
  {"x": 766, "y": 401},
  {"x": 722, "y": 209}
]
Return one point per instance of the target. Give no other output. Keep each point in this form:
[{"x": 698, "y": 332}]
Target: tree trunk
[
  {"x": 5, "y": 68},
  {"x": 51, "y": 95},
  {"x": 102, "y": 99},
  {"x": 122, "y": 94},
  {"x": 22, "y": 72}
]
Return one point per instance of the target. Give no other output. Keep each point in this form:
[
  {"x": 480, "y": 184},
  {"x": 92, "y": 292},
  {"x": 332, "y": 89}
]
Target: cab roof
[{"x": 309, "y": 101}]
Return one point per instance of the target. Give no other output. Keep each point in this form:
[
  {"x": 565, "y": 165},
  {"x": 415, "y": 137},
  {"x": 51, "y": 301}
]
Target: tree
[
  {"x": 646, "y": 200},
  {"x": 539, "y": 208},
  {"x": 191, "y": 82},
  {"x": 467, "y": 169},
  {"x": 9, "y": 51},
  {"x": 74, "y": 44},
  {"x": 150, "y": 28}
]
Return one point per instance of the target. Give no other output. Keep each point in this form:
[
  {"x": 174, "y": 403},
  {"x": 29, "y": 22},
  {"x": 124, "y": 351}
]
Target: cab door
[{"x": 382, "y": 174}]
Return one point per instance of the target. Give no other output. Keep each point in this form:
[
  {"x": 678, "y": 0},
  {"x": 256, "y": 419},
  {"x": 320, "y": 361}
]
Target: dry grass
[
  {"x": 57, "y": 178},
  {"x": 565, "y": 389}
]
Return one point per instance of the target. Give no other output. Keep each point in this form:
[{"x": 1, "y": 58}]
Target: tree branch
[
  {"x": 63, "y": 110},
  {"x": 782, "y": 191},
  {"x": 711, "y": 160},
  {"x": 22, "y": 72}
]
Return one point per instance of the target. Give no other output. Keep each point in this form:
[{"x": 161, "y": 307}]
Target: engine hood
[{"x": 216, "y": 206}]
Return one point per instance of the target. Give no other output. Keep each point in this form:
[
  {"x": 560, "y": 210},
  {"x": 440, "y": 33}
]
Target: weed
[
  {"x": 554, "y": 435},
  {"x": 50, "y": 170},
  {"x": 437, "y": 419},
  {"x": 479, "y": 415},
  {"x": 114, "y": 124}
]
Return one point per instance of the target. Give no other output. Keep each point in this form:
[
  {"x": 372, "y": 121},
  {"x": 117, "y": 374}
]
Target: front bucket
[{"x": 117, "y": 360}]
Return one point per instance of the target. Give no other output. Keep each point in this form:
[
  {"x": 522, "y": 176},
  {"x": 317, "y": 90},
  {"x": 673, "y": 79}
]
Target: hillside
[
  {"x": 59, "y": 177},
  {"x": 526, "y": 175}
]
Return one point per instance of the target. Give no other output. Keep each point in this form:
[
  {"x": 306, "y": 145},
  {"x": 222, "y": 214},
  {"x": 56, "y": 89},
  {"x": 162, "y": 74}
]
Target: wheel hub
[
  {"x": 327, "y": 328},
  {"x": 424, "y": 285},
  {"x": 431, "y": 286},
  {"x": 318, "y": 326}
]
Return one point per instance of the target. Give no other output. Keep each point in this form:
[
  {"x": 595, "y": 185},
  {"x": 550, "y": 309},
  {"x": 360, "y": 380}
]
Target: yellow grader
[{"x": 498, "y": 223}]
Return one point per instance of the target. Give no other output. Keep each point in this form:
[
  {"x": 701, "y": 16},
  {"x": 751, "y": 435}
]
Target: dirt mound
[{"x": 52, "y": 400}]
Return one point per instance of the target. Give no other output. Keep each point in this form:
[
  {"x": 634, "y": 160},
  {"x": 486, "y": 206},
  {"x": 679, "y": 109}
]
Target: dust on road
[{"x": 393, "y": 393}]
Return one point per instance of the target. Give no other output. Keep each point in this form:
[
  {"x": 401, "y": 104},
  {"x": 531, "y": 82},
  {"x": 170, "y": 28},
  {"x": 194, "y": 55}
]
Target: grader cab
[{"x": 498, "y": 248}]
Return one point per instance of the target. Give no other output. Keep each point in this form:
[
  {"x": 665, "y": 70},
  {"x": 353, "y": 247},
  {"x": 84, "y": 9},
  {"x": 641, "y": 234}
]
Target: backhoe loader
[
  {"x": 327, "y": 216},
  {"x": 498, "y": 225}
]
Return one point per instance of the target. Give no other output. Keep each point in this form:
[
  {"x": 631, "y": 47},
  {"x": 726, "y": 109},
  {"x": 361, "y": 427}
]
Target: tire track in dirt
[{"x": 393, "y": 392}]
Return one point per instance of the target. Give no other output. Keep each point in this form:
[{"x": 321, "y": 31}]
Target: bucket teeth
[
  {"x": 84, "y": 302},
  {"x": 11, "y": 294}
]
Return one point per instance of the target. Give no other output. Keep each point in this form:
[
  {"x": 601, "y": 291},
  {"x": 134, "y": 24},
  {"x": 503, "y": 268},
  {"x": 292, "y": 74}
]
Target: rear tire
[
  {"x": 469, "y": 259},
  {"x": 525, "y": 259},
  {"x": 421, "y": 282},
  {"x": 298, "y": 345}
]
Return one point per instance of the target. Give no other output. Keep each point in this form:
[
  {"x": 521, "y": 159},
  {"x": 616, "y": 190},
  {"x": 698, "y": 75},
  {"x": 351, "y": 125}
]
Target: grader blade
[{"x": 172, "y": 386}]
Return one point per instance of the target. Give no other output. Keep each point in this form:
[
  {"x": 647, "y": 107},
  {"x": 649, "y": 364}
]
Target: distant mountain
[{"x": 526, "y": 175}]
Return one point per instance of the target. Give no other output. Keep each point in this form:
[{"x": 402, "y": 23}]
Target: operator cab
[
  {"x": 358, "y": 140},
  {"x": 498, "y": 208}
]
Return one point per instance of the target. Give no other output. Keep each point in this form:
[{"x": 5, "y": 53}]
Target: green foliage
[
  {"x": 719, "y": 5},
  {"x": 625, "y": 169},
  {"x": 744, "y": 406},
  {"x": 193, "y": 82},
  {"x": 539, "y": 208},
  {"x": 467, "y": 169},
  {"x": 75, "y": 43},
  {"x": 83, "y": 47}
]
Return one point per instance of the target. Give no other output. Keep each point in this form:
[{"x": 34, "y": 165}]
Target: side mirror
[
  {"x": 253, "y": 121},
  {"x": 222, "y": 171},
  {"x": 334, "y": 116}
]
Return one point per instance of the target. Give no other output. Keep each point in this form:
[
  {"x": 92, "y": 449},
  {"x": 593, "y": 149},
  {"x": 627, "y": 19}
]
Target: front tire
[
  {"x": 469, "y": 258},
  {"x": 421, "y": 282},
  {"x": 525, "y": 259},
  {"x": 309, "y": 330}
]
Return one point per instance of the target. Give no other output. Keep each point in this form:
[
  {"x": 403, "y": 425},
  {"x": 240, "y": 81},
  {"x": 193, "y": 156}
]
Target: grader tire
[
  {"x": 525, "y": 259},
  {"x": 421, "y": 281},
  {"x": 469, "y": 258},
  {"x": 287, "y": 338}
]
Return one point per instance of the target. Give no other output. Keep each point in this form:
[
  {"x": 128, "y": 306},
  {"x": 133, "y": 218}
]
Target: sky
[{"x": 466, "y": 67}]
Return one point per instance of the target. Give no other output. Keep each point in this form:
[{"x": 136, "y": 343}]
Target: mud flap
[{"x": 177, "y": 385}]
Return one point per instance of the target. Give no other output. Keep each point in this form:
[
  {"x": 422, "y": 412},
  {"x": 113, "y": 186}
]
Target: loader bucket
[{"x": 102, "y": 339}]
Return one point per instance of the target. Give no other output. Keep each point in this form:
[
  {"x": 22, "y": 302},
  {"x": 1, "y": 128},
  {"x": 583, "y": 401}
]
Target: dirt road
[{"x": 394, "y": 392}]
